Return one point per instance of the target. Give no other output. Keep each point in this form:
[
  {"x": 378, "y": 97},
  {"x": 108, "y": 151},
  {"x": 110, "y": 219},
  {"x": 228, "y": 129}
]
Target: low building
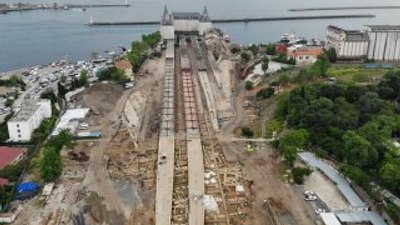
[
  {"x": 304, "y": 54},
  {"x": 70, "y": 120},
  {"x": 126, "y": 66},
  {"x": 11, "y": 156},
  {"x": 384, "y": 42},
  {"x": 349, "y": 44},
  {"x": 27, "y": 119}
]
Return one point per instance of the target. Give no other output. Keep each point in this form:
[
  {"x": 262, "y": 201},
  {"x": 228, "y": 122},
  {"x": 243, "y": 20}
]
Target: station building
[
  {"x": 184, "y": 23},
  {"x": 25, "y": 121}
]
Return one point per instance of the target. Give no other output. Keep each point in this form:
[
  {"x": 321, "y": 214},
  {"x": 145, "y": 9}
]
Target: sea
[{"x": 39, "y": 37}]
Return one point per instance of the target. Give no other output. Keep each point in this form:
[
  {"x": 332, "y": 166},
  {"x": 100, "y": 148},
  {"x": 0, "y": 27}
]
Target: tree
[
  {"x": 264, "y": 64},
  {"x": 245, "y": 56},
  {"x": 64, "y": 138},
  {"x": 271, "y": 49},
  {"x": 9, "y": 102},
  {"x": 357, "y": 151},
  {"x": 50, "y": 164},
  {"x": 291, "y": 142},
  {"x": 299, "y": 173},
  {"x": 283, "y": 79},
  {"x": 322, "y": 65},
  {"x": 355, "y": 173},
  {"x": 247, "y": 132},
  {"x": 12, "y": 172},
  {"x": 332, "y": 56},
  {"x": 370, "y": 103},
  {"x": 83, "y": 78},
  {"x": 265, "y": 93},
  {"x": 249, "y": 85}
]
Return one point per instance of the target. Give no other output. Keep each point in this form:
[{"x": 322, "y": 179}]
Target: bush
[
  {"x": 50, "y": 164},
  {"x": 247, "y": 132},
  {"x": 12, "y": 172},
  {"x": 265, "y": 93},
  {"x": 249, "y": 85},
  {"x": 299, "y": 174}
]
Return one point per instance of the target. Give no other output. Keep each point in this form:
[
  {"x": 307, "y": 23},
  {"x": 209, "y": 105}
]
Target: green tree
[
  {"x": 370, "y": 103},
  {"x": 358, "y": 151},
  {"x": 50, "y": 164},
  {"x": 322, "y": 65},
  {"x": 247, "y": 132},
  {"x": 264, "y": 64},
  {"x": 299, "y": 173},
  {"x": 332, "y": 56},
  {"x": 245, "y": 56},
  {"x": 291, "y": 143},
  {"x": 271, "y": 49},
  {"x": 355, "y": 173},
  {"x": 9, "y": 102},
  {"x": 83, "y": 78},
  {"x": 265, "y": 93},
  {"x": 249, "y": 85}
]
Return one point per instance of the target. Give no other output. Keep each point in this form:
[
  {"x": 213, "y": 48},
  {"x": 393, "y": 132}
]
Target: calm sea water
[{"x": 38, "y": 37}]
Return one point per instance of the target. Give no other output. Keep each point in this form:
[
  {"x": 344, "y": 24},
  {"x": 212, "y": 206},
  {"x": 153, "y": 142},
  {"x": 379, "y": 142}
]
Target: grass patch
[{"x": 355, "y": 74}]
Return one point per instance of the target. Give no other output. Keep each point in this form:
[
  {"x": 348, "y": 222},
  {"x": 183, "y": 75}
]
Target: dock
[
  {"x": 343, "y": 8},
  {"x": 242, "y": 20}
]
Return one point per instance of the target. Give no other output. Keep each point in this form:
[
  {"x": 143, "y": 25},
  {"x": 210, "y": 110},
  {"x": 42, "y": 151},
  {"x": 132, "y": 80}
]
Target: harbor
[
  {"x": 6, "y": 8},
  {"x": 242, "y": 20}
]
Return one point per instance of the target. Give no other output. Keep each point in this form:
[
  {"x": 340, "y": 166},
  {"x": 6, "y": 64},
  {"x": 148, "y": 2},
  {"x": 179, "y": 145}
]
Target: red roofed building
[
  {"x": 3, "y": 181},
  {"x": 11, "y": 156}
]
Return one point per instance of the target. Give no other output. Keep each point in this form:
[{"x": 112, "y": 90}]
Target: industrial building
[
  {"x": 349, "y": 44},
  {"x": 25, "y": 121},
  {"x": 184, "y": 23},
  {"x": 384, "y": 42}
]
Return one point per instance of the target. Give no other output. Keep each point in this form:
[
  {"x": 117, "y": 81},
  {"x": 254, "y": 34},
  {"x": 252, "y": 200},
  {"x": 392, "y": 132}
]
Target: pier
[
  {"x": 342, "y": 8},
  {"x": 243, "y": 20}
]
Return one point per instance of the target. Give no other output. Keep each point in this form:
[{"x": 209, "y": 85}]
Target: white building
[
  {"x": 184, "y": 23},
  {"x": 25, "y": 121},
  {"x": 384, "y": 42},
  {"x": 349, "y": 44}
]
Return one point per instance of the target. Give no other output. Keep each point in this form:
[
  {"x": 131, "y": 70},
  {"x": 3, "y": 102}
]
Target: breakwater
[
  {"x": 4, "y": 9},
  {"x": 342, "y": 8},
  {"x": 243, "y": 20}
]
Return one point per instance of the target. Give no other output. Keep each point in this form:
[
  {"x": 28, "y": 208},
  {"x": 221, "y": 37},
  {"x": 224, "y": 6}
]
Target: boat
[
  {"x": 292, "y": 39},
  {"x": 3, "y": 11}
]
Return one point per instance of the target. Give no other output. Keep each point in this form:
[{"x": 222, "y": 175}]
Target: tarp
[{"x": 27, "y": 187}]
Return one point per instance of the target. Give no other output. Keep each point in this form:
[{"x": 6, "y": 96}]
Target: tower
[
  {"x": 167, "y": 28},
  {"x": 205, "y": 22}
]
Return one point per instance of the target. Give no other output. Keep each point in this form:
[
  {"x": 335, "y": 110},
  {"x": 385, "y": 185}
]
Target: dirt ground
[
  {"x": 264, "y": 169},
  {"x": 326, "y": 190}
]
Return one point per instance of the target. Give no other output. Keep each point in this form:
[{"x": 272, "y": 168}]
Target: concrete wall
[
  {"x": 186, "y": 25},
  {"x": 204, "y": 27},
  {"x": 19, "y": 131},
  {"x": 167, "y": 32}
]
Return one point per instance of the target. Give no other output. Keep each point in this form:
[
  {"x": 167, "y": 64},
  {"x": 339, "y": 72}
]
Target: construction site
[{"x": 168, "y": 152}]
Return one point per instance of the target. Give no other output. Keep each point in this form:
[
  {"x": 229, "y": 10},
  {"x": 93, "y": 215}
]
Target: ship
[{"x": 292, "y": 39}]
